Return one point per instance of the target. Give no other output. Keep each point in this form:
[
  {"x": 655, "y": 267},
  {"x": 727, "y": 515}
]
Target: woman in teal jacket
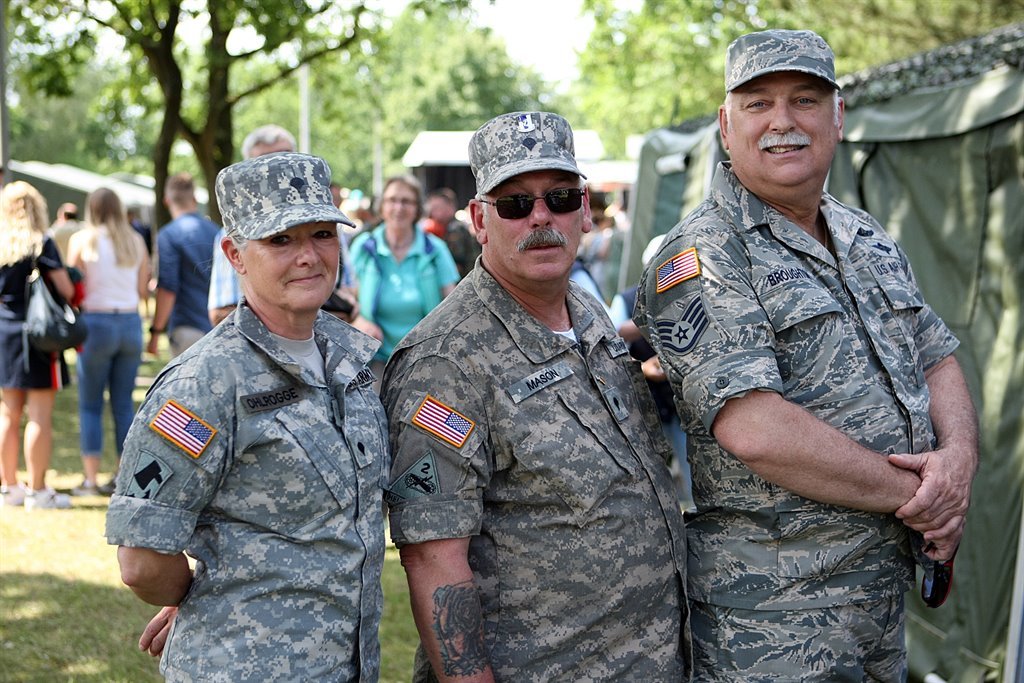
[{"x": 403, "y": 271}]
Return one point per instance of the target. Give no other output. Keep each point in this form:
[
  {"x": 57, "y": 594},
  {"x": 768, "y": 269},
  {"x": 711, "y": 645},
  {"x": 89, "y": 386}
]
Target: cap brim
[
  {"x": 528, "y": 166},
  {"x": 291, "y": 216},
  {"x": 782, "y": 69}
]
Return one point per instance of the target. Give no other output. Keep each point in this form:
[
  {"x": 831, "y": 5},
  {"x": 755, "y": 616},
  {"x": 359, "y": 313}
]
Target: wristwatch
[{"x": 154, "y": 330}]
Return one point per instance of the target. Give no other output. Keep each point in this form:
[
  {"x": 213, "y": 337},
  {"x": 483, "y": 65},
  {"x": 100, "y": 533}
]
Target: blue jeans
[{"x": 109, "y": 359}]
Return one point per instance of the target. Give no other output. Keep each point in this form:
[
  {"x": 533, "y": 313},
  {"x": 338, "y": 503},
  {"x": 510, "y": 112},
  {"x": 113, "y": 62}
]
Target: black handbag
[{"x": 51, "y": 324}]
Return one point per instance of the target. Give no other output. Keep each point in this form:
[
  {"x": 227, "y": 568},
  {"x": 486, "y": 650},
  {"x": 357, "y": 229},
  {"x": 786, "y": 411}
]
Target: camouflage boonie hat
[
  {"x": 768, "y": 52},
  {"x": 263, "y": 196},
  {"x": 520, "y": 142}
]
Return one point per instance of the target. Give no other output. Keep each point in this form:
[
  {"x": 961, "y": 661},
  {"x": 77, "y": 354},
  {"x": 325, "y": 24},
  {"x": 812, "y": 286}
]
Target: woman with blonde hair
[
  {"x": 115, "y": 269},
  {"x": 27, "y": 376}
]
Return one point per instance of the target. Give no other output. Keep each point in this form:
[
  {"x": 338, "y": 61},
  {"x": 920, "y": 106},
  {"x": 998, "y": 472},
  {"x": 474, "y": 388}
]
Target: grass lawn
[{"x": 64, "y": 614}]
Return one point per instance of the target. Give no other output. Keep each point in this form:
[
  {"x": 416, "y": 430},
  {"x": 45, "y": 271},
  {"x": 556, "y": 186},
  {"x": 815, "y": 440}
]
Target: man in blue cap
[{"x": 829, "y": 425}]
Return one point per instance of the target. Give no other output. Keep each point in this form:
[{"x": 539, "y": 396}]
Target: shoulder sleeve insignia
[
  {"x": 443, "y": 422},
  {"x": 151, "y": 473},
  {"x": 416, "y": 482},
  {"x": 183, "y": 428},
  {"x": 679, "y": 268}
]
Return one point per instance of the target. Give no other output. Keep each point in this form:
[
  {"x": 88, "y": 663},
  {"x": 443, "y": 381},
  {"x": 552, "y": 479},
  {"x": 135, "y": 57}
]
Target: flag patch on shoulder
[
  {"x": 183, "y": 428},
  {"x": 443, "y": 422},
  {"x": 679, "y": 268}
]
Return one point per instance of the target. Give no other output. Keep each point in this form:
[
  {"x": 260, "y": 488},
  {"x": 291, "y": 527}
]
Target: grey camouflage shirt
[
  {"x": 272, "y": 482},
  {"x": 549, "y": 454},
  {"x": 848, "y": 337}
]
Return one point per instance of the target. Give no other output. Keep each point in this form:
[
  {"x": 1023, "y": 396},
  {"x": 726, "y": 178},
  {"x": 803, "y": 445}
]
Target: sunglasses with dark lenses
[{"x": 521, "y": 205}]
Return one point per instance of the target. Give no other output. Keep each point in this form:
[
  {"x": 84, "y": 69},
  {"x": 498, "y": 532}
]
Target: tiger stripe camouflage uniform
[
  {"x": 549, "y": 454},
  {"x": 272, "y": 482},
  {"x": 740, "y": 299}
]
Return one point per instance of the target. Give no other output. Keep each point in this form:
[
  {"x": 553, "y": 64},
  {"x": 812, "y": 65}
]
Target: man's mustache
[{"x": 542, "y": 237}]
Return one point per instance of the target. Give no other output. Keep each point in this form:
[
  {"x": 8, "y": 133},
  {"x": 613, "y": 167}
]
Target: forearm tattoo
[{"x": 458, "y": 625}]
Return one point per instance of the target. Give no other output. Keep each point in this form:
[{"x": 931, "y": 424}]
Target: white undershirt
[
  {"x": 306, "y": 353},
  {"x": 569, "y": 334}
]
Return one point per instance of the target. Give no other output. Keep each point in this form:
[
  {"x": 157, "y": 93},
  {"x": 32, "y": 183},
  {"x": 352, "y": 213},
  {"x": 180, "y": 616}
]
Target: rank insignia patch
[
  {"x": 443, "y": 422},
  {"x": 682, "y": 335},
  {"x": 417, "y": 481},
  {"x": 679, "y": 268},
  {"x": 183, "y": 428}
]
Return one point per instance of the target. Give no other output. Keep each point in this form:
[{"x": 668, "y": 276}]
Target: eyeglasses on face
[
  {"x": 515, "y": 206},
  {"x": 400, "y": 201}
]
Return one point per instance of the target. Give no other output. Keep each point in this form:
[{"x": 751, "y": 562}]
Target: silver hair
[{"x": 265, "y": 135}]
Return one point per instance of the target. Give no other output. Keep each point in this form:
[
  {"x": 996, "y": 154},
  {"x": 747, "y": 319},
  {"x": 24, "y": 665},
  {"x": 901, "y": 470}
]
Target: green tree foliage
[
  {"x": 440, "y": 73},
  {"x": 429, "y": 69},
  {"x": 205, "y": 57},
  {"x": 663, "y": 64},
  {"x": 93, "y": 127}
]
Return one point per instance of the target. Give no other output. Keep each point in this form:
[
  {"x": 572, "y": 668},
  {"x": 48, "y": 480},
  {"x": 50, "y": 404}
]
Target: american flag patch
[
  {"x": 679, "y": 268},
  {"x": 183, "y": 429},
  {"x": 443, "y": 422}
]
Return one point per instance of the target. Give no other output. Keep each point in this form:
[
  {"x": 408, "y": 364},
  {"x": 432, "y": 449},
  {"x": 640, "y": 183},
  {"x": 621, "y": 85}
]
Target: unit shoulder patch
[
  {"x": 183, "y": 428},
  {"x": 150, "y": 474},
  {"x": 416, "y": 482}
]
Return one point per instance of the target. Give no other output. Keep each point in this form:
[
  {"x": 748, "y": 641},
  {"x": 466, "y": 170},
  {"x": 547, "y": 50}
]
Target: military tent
[{"x": 933, "y": 148}]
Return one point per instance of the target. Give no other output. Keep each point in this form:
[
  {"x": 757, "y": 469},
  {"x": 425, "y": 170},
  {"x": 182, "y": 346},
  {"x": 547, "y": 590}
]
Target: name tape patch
[
  {"x": 443, "y": 422},
  {"x": 183, "y": 428},
  {"x": 268, "y": 400},
  {"x": 530, "y": 385}
]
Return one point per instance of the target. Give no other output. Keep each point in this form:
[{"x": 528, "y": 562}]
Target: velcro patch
[
  {"x": 183, "y": 428},
  {"x": 364, "y": 377},
  {"x": 617, "y": 347},
  {"x": 150, "y": 474},
  {"x": 443, "y": 422},
  {"x": 528, "y": 386},
  {"x": 681, "y": 335},
  {"x": 416, "y": 482},
  {"x": 679, "y": 268},
  {"x": 269, "y": 400}
]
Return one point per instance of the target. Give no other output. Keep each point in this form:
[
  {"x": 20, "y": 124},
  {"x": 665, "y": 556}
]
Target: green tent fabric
[
  {"x": 938, "y": 159},
  {"x": 674, "y": 172},
  {"x": 951, "y": 190}
]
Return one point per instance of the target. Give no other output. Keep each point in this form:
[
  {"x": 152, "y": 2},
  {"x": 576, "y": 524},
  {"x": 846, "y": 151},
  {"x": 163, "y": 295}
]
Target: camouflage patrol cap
[
  {"x": 520, "y": 142},
  {"x": 767, "y": 52},
  {"x": 263, "y": 196}
]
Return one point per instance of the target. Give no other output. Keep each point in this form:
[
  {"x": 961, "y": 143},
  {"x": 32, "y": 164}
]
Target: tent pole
[{"x": 1013, "y": 669}]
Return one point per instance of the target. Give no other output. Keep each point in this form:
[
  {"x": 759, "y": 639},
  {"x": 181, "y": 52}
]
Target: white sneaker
[
  {"x": 13, "y": 497},
  {"x": 47, "y": 499}
]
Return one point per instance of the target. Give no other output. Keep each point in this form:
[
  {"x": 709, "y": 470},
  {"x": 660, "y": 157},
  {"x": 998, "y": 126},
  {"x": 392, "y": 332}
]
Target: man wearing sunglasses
[
  {"x": 829, "y": 424},
  {"x": 529, "y": 496}
]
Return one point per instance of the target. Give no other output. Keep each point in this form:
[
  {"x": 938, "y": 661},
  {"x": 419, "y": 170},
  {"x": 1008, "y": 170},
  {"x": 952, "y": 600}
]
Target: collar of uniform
[
  {"x": 536, "y": 341},
  {"x": 747, "y": 212},
  {"x": 346, "y": 350}
]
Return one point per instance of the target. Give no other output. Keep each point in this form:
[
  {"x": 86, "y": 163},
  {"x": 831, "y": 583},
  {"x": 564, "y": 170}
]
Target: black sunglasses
[{"x": 521, "y": 205}]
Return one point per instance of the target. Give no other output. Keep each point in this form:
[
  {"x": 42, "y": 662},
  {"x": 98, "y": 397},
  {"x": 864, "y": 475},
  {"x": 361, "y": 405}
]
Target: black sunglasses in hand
[{"x": 521, "y": 205}]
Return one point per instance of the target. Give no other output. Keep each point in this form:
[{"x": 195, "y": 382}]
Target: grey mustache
[
  {"x": 542, "y": 237},
  {"x": 784, "y": 140}
]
